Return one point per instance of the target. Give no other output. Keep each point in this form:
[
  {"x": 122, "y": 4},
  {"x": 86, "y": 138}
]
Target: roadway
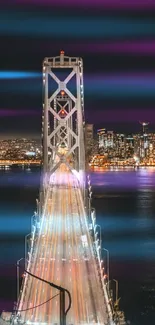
[{"x": 63, "y": 254}]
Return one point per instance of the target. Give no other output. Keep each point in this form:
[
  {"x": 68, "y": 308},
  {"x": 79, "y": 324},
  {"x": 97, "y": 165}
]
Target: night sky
[{"x": 115, "y": 38}]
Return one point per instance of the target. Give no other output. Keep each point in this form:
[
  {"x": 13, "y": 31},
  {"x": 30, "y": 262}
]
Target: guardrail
[
  {"x": 92, "y": 218},
  {"x": 35, "y": 226},
  {"x": 25, "y": 280}
]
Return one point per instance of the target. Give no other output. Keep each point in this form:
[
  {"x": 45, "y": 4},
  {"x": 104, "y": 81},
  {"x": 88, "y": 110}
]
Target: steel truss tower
[{"x": 63, "y": 115}]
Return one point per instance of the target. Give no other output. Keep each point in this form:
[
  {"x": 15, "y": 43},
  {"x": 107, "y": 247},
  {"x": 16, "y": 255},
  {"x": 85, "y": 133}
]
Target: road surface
[{"x": 64, "y": 255}]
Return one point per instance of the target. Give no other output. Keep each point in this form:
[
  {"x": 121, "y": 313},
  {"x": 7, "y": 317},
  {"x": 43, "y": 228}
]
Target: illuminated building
[
  {"x": 101, "y": 133},
  {"x": 151, "y": 147},
  {"x": 119, "y": 145},
  {"x": 118, "y": 148},
  {"x": 110, "y": 139},
  {"x": 20, "y": 149},
  {"x": 144, "y": 141},
  {"x": 89, "y": 140},
  {"x": 144, "y": 127},
  {"x": 106, "y": 142},
  {"x": 129, "y": 147},
  {"x": 136, "y": 139}
]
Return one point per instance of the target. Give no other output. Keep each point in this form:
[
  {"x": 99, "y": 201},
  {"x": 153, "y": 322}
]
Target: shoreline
[{"x": 96, "y": 168}]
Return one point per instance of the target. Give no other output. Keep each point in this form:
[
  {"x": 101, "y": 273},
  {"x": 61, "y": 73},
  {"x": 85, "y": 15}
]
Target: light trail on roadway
[{"x": 63, "y": 254}]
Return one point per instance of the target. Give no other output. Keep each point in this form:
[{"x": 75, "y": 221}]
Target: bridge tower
[{"x": 63, "y": 116}]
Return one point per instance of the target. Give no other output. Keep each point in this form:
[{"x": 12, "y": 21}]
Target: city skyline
[
  {"x": 96, "y": 127},
  {"x": 106, "y": 142}
]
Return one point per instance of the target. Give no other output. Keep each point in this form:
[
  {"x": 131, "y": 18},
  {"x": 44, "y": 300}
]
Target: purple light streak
[
  {"x": 11, "y": 112},
  {"x": 124, "y": 179},
  {"x": 117, "y": 115},
  {"x": 125, "y": 47},
  {"x": 138, "y": 47},
  {"x": 129, "y": 77},
  {"x": 105, "y": 4}
]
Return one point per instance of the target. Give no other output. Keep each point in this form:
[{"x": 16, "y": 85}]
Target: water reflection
[
  {"x": 124, "y": 179},
  {"x": 125, "y": 205}
]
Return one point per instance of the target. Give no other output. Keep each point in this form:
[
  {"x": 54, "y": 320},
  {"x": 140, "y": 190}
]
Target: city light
[
  {"x": 30, "y": 153},
  {"x": 123, "y": 150},
  {"x": 20, "y": 151}
]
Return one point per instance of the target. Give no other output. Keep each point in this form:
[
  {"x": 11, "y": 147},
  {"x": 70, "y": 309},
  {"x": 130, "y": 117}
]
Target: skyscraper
[{"x": 144, "y": 140}]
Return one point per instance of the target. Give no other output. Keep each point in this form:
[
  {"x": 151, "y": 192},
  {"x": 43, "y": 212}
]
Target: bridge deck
[{"x": 64, "y": 255}]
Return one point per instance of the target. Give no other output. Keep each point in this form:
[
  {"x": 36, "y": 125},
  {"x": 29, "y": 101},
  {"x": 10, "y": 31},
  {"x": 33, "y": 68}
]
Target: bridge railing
[
  {"x": 31, "y": 257},
  {"x": 26, "y": 277},
  {"x": 36, "y": 225},
  {"x": 92, "y": 227}
]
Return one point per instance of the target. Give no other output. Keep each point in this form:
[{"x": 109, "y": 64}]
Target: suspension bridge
[{"x": 63, "y": 247}]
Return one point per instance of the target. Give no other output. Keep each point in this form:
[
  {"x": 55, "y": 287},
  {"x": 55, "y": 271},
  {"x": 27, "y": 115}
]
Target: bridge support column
[{"x": 62, "y": 308}]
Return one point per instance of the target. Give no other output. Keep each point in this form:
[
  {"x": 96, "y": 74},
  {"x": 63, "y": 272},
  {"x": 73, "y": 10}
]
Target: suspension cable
[{"x": 43, "y": 303}]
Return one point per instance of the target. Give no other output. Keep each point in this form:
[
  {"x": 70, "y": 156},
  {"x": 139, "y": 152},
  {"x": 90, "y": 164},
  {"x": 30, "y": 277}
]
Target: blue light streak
[
  {"x": 18, "y": 75},
  {"x": 99, "y": 86},
  {"x": 119, "y": 233},
  {"x": 14, "y": 224},
  {"x": 22, "y": 23},
  {"x": 135, "y": 249}
]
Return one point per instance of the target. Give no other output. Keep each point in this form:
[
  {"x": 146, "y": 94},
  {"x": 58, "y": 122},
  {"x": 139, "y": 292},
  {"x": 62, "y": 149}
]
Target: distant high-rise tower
[
  {"x": 144, "y": 126},
  {"x": 144, "y": 143},
  {"x": 101, "y": 137}
]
